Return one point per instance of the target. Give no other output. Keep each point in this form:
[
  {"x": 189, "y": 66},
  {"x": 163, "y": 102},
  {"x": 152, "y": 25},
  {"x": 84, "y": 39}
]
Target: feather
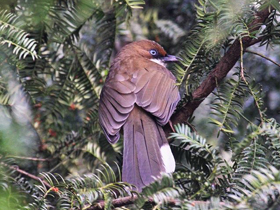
[
  {"x": 123, "y": 87},
  {"x": 157, "y": 96},
  {"x": 165, "y": 151},
  {"x": 140, "y": 78},
  {"x": 114, "y": 109},
  {"x": 122, "y": 110},
  {"x": 125, "y": 100},
  {"x": 158, "y": 104},
  {"x": 142, "y": 153}
]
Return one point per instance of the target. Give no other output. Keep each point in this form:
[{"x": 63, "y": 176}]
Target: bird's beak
[{"x": 170, "y": 58}]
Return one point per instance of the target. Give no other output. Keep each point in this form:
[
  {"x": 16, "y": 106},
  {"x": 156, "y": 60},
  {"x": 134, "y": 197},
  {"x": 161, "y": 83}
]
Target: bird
[{"x": 138, "y": 98}]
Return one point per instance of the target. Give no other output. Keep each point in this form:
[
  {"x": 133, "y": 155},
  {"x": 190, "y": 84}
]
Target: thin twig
[
  {"x": 241, "y": 62},
  {"x": 31, "y": 176},
  {"x": 263, "y": 56},
  {"x": 243, "y": 77},
  {"x": 29, "y": 158},
  {"x": 17, "y": 169}
]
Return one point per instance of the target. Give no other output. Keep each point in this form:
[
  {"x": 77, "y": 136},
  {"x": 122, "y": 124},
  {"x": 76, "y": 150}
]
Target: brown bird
[{"x": 139, "y": 96}]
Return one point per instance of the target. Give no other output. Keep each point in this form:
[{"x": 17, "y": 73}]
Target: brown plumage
[{"x": 139, "y": 96}]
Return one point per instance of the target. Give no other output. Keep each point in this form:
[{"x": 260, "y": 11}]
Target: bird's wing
[
  {"x": 116, "y": 102},
  {"x": 149, "y": 85},
  {"x": 156, "y": 91}
]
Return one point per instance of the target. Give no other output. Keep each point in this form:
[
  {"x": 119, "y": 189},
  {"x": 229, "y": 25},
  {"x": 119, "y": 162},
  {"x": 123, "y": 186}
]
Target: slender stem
[
  {"x": 263, "y": 56},
  {"x": 241, "y": 61},
  {"x": 243, "y": 77},
  {"x": 17, "y": 169},
  {"x": 29, "y": 158}
]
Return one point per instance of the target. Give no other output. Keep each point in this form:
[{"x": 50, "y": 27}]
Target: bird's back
[{"x": 139, "y": 96}]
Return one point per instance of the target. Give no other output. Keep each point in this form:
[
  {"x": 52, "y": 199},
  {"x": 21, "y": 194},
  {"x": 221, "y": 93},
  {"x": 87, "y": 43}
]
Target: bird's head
[{"x": 149, "y": 50}]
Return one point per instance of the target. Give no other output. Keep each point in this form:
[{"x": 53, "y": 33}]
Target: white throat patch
[{"x": 158, "y": 61}]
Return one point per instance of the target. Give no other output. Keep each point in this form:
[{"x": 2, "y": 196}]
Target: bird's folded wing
[
  {"x": 156, "y": 91},
  {"x": 149, "y": 85},
  {"x": 116, "y": 102}
]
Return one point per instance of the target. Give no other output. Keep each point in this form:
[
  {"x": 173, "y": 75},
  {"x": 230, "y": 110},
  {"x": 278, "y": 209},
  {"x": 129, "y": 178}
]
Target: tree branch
[
  {"x": 131, "y": 199},
  {"x": 125, "y": 201},
  {"x": 263, "y": 56},
  {"x": 116, "y": 202},
  {"x": 29, "y": 158},
  {"x": 17, "y": 169},
  {"x": 218, "y": 73}
]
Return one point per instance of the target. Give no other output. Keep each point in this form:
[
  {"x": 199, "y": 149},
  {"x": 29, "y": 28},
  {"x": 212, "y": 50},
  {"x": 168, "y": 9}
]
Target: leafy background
[{"x": 54, "y": 58}]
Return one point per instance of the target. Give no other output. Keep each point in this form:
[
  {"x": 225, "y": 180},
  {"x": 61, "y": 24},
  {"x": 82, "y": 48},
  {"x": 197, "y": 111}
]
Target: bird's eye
[{"x": 154, "y": 52}]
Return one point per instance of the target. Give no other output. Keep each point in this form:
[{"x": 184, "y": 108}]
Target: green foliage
[
  {"x": 270, "y": 131},
  {"x": 228, "y": 104},
  {"x": 271, "y": 32},
  {"x": 160, "y": 192},
  {"x": 262, "y": 190},
  {"x": 195, "y": 148},
  {"x": 200, "y": 171},
  {"x": 217, "y": 22},
  {"x": 54, "y": 58},
  {"x": 170, "y": 29},
  {"x": 12, "y": 35},
  {"x": 253, "y": 174},
  {"x": 79, "y": 192}
]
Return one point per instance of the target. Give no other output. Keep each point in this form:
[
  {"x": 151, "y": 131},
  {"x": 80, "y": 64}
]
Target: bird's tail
[{"x": 146, "y": 150}]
